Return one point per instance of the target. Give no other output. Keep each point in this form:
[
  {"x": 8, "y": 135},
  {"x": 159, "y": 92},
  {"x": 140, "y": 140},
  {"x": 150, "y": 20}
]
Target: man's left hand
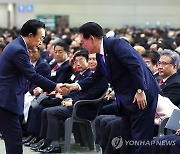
[{"x": 140, "y": 98}]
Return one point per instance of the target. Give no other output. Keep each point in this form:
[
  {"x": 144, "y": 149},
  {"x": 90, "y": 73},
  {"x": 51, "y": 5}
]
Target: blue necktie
[
  {"x": 103, "y": 65},
  {"x": 106, "y": 73}
]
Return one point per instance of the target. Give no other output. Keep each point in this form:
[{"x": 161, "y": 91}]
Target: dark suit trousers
[
  {"x": 100, "y": 123},
  {"x": 164, "y": 147},
  {"x": 34, "y": 120},
  {"x": 51, "y": 117},
  {"x": 10, "y": 129},
  {"x": 110, "y": 109},
  {"x": 112, "y": 131},
  {"x": 138, "y": 126}
]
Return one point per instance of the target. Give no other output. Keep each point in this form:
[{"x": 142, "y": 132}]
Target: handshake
[{"x": 66, "y": 88}]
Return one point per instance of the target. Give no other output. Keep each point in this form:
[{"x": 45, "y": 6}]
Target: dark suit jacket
[
  {"x": 171, "y": 89},
  {"x": 15, "y": 69},
  {"x": 63, "y": 73},
  {"x": 127, "y": 72},
  {"x": 43, "y": 69}
]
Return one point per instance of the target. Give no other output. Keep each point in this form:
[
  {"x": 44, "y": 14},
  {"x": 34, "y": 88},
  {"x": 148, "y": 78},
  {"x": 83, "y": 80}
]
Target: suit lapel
[{"x": 168, "y": 81}]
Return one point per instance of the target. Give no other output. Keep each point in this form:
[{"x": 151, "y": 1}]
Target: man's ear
[
  {"x": 175, "y": 66},
  {"x": 30, "y": 35},
  {"x": 92, "y": 37}
]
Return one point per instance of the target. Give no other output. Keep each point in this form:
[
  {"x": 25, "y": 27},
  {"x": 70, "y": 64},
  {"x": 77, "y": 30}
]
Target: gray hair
[{"x": 175, "y": 58}]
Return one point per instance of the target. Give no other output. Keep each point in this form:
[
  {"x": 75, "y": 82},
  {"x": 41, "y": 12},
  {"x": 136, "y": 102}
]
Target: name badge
[
  {"x": 53, "y": 73},
  {"x": 72, "y": 77}
]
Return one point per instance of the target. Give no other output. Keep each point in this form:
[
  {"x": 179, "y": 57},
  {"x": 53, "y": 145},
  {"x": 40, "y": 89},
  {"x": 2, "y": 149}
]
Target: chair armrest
[
  {"x": 85, "y": 102},
  {"x": 162, "y": 126}
]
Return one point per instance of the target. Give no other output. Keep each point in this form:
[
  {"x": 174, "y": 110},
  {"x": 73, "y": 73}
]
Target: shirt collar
[
  {"x": 25, "y": 44},
  {"x": 34, "y": 64},
  {"x": 81, "y": 73},
  {"x": 166, "y": 78},
  {"x": 59, "y": 64},
  {"x": 101, "y": 48}
]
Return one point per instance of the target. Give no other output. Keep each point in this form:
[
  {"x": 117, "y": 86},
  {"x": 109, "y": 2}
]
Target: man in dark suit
[
  {"x": 135, "y": 88},
  {"x": 170, "y": 83},
  {"x": 15, "y": 69}
]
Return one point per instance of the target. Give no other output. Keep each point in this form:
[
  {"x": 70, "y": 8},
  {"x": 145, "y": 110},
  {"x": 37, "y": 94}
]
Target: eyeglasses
[
  {"x": 162, "y": 63},
  {"x": 80, "y": 61}
]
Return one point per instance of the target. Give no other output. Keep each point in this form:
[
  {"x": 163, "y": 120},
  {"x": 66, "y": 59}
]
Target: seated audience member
[
  {"x": 61, "y": 73},
  {"x": 170, "y": 83},
  {"x": 50, "y": 51},
  {"x": 151, "y": 58},
  {"x": 51, "y": 116},
  {"x": 42, "y": 68},
  {"x": 168, "y": 144}
]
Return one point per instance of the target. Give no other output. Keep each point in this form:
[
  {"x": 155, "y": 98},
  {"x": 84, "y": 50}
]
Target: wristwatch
[{"x": 139, "y": 91}]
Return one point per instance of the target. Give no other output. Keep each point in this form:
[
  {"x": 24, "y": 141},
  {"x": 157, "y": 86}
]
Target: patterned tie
[{"x": 55, "y": 68}]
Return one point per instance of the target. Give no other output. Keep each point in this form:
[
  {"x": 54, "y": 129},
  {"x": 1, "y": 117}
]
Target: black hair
[
  {"x": 91, "y": 28},
  {"x": 62, "y": 44},
  {"x": 31, "y": 26},
  {"x": 153, "y": 55},
  {"x": 83, "y": 53}
]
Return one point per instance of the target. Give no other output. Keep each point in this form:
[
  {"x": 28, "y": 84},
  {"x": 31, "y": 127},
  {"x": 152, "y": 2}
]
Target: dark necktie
[
  {"x": 106, "y": 73},
  {"x": 103, "y": 65}
]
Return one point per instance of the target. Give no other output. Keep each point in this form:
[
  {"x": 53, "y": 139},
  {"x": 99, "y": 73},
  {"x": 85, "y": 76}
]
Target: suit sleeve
[
  {"x": 92, "y": 93},
  {"x": 22, "y": 62},
  {"x": 93, "y": 79}
]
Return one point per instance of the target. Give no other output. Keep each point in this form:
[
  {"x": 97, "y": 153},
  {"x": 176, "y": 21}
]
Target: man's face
[
  {"x": 92, "y": 63},
  {"x": 150, "y": 64},
  {"x": 60, "y": 54},
  {"x": 165, "y": 67},
  {"x": 34, "y": 55},
  {"x": 36, "y": 40},
  {"x": 88, "y": 44},
  {"x": 81, "y": 63}
]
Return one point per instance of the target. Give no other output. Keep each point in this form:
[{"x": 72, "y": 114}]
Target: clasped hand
[{"x": 65, "y": 88}]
